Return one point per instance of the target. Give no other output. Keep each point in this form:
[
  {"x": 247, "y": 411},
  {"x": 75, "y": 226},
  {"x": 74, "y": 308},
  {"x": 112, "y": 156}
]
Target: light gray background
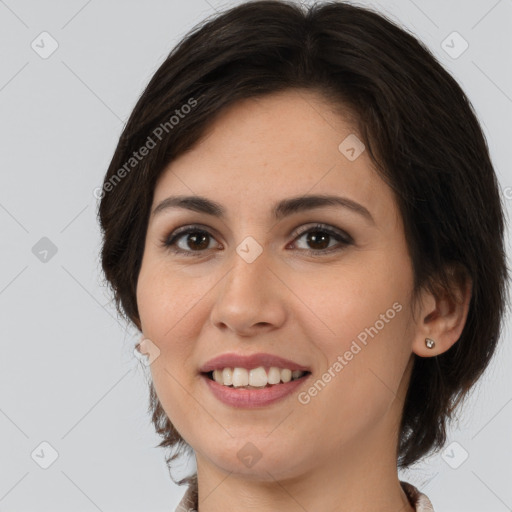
[{"x": 67, "y": 372}]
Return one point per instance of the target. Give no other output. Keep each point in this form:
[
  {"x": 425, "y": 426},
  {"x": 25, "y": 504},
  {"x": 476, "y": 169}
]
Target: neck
[{"x": 355, "y": 480}]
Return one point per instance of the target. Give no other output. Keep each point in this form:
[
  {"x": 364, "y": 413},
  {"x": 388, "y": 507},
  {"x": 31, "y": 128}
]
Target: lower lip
[{"x": 249, "y": 398}]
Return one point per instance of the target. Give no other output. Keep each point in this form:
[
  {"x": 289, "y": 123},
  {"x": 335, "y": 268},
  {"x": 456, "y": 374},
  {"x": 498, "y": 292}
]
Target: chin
[{"x": 260, "y": 460}]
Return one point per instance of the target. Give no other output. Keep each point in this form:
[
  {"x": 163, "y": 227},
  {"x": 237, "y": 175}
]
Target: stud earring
[{"x": 430, "y": 343}]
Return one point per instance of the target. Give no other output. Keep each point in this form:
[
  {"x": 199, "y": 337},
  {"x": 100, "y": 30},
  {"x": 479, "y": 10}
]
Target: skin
[{"x": 337, "y": 452}]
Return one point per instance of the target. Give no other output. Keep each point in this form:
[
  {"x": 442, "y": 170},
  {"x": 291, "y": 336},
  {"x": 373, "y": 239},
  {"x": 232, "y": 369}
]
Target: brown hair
[{"x": 418, "y": 127}]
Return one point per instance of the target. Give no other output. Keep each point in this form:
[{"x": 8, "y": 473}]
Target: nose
[{"x": 251, "y": 298}]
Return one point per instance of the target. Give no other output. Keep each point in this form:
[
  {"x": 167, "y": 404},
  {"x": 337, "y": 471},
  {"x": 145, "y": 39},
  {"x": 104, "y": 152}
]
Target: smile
[
  {"x": 247, "y": 396},
  {"x": 254, "y": 378}
]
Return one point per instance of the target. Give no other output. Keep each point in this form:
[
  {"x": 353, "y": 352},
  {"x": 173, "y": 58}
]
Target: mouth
[
  {"x": 256, "y": 378},
  {"x": 253, "y": 380}
]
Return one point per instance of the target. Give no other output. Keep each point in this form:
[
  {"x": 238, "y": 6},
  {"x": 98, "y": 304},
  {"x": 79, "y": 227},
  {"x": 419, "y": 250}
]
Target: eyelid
[
  {"x": 295, "y": 233},
  {"x": 324, "y": 227},
  {"x": 343, "y": 238},
  {"x": 168, "y": 241}
]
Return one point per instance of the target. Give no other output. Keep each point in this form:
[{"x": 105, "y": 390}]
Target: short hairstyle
[{"x": 419, "y": 129}]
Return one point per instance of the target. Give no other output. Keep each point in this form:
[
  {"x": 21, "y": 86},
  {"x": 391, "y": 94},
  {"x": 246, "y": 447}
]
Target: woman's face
[{"x": 334, "y": 299}]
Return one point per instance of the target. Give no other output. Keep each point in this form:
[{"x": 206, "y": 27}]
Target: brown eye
[
  {"x": 188, "y": 241},
  {"x": 193, "y": 241},
  {"x": 197, "y": 240},
  {"x": 318, "y": 238}
]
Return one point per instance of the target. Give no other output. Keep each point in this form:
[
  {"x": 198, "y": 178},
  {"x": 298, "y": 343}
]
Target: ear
[{"x": 442, "y": 315}]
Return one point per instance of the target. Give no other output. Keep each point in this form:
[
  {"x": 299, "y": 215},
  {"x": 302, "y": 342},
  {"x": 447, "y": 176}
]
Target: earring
[{"x": 430, "y": 343}]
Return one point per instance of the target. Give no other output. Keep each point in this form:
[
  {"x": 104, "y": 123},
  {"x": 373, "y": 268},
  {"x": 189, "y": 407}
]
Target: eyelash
[{"x": 170, "y": 241}]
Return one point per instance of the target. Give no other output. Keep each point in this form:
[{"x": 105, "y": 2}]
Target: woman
[{"x": 302, "y": 219}]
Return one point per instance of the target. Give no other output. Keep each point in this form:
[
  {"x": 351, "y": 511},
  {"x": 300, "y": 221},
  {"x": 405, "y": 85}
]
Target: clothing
[{"x": 417, "y": 499}]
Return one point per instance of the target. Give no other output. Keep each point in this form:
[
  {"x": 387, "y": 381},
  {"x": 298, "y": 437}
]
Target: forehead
[{"x": 259, "y": 150}]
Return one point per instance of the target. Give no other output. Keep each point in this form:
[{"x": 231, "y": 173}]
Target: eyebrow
[{"x": 280, "y": 210}]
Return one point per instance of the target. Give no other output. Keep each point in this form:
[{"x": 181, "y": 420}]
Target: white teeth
[
  {"x": 286, "y": 375},
  {"x": 256, "y": 377},
  {"x": 227, "y": 376},
  {"x": 274, "y": 375},
  {"x": 240, "y": 377}
]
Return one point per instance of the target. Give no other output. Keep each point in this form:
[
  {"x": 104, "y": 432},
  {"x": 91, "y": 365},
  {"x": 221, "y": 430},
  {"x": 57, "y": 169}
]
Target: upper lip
[{"x": 232, "y": 360}]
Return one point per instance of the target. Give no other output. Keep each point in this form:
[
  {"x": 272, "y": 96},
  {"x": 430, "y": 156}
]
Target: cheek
[
  {"x": 163, "y": 299},
  {"x": 361, "y": 379},
  {"x": 165, "y": 306},
  {"x": 366, "y": 347},
  {"x": 346, "y": 300}
]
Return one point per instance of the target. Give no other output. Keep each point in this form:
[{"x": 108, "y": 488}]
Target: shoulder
[
  {"x": 417, "y": 499},
  {"x": 189, "y": 502}
]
